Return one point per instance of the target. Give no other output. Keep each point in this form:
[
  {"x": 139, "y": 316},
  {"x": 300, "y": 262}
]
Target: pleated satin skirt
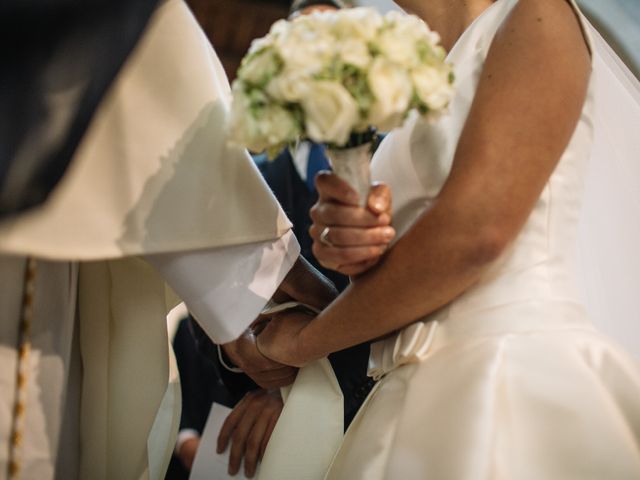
[{"x": 523, "y": 391}]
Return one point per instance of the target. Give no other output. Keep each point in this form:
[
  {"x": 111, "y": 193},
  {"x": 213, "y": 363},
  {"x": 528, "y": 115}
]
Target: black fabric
[
  {"x": 296, "y": 200},
  {"x": 200, "y": 380},
  {"x": 58, "y": 59},
  {"x": 201, "y": 384},
  {"x": 236, "y": 384},
  {"x": 350, "y": 365}
]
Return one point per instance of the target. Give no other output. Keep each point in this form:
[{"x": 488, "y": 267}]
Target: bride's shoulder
[
  {"x": 545, "y": 24},
  {"x": 542, "y": 38}
]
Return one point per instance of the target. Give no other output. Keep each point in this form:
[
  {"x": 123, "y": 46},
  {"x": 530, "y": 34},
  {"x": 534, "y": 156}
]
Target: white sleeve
[
  {"x": 184, "y": 435},
  {"x": 225, "y": 288}
]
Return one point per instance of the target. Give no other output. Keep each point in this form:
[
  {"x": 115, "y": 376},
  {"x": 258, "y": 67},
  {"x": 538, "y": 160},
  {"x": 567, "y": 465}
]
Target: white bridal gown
[{"x": 511, "y": 380}]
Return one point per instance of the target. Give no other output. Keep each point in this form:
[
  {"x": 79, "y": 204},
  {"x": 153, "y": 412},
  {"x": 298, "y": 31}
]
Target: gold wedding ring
[{"x": 324, "y": 237}]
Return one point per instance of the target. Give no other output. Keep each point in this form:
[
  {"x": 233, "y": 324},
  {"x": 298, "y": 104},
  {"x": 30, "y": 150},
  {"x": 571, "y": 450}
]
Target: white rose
[
  {"x": 361, "y": 23},
  {"x": 355, "y": 52},
  {"x": 243, "y": 130},
  {"x": 260, "y": 44},
  {"x": 278, "y": 125},
  {"x": 280, "y": 27},
  {"x": 306, "y": 52},
  {"x": 398, "y": 48},
  {"x": 260, "y": 127},
  {"x": 409, "y": 26},
  {"x": 330, "y": 112},
  {"x": 399, "y": 38},
  {"x": 306, "y": 49},
  {"x": 392, "y": 90},
  {"x": 432, "y": 86},
  {"x": 318, "y": 21},
  {"x": 259, "y": 67},
  {"x": 289, "y": 85}
]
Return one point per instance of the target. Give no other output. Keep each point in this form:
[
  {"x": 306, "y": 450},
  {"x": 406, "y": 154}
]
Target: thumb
[{"x": 379, "y": 200}]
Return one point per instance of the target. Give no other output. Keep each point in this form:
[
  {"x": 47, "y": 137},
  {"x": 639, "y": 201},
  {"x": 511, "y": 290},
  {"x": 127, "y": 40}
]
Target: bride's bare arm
[{"x": 527, "y": 105}]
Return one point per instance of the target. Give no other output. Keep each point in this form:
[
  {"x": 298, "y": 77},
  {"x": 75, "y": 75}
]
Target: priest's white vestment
[{"x": 154, "y": 178}]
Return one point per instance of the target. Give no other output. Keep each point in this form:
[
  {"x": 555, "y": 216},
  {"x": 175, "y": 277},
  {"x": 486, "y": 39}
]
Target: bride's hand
[
  {"x": 348, "y": 238},
  {"x": 280, "y": 338}
]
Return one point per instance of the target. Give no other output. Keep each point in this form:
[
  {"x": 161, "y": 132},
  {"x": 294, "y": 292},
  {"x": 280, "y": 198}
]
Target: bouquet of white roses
[{"x": 330, "y": 76}]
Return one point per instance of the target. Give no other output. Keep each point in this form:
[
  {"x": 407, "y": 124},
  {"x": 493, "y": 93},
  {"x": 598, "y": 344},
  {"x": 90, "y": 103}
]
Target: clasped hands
[{"x": 347, "y": 238}]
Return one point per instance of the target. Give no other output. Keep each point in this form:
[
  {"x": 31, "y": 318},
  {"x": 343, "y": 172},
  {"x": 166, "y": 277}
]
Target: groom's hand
[
  {"x": 265, "y": 372},
  {"x": 346, "y": 237},
  {"x": 248, "y": 428},
  {"x": 280, "y": 338},
  {"x": 304, "y": 284}
]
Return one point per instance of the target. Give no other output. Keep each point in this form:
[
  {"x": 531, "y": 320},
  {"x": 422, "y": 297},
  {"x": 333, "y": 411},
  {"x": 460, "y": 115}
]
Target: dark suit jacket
[
  {"x": 350, "y": 365},
  {"x": 201, "y": 383}
]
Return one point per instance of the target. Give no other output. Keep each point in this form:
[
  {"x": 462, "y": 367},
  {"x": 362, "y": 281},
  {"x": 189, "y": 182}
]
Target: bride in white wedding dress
[{"x": 488, "y": 364}]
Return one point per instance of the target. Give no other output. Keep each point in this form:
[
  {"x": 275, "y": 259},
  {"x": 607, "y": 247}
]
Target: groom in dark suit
[
  {"x": 291, "y": 177},
  {"x": 204, "y": 378}
]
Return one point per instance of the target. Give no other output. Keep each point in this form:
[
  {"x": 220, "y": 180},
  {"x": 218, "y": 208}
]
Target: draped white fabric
[
  {"x": 153, "y": 175},
  {"x": 608, "y": 253},
  {"x": 310, "y": 427},
  {"x": 511, "y": 379}
]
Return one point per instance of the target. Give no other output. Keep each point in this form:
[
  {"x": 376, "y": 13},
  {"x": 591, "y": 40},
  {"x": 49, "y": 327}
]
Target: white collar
[{"x": 300, "y": 156}]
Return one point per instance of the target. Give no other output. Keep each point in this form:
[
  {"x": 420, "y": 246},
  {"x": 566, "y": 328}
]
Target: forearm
[
  {"x": 420, "y": 274},
  {"x": 305, "y": 284}
]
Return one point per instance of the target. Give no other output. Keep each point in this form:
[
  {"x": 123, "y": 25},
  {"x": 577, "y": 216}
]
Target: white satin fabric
[
  {"x": 510, "y": 380},
  {"x": 154, "y": 172},
  {"x": 309, "y": 430}
]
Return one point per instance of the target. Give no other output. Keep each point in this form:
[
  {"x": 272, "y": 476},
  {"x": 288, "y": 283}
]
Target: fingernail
[
  {"x": 388, "y": 233},
  {"x": 379, "y": 204}
]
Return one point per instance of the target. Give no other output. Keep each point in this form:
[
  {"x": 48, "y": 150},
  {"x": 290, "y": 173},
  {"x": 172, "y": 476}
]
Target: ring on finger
[{"x": 324, "y": 237}]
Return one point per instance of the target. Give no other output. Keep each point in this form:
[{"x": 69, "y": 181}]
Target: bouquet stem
[{"x": 352, "y": 165}]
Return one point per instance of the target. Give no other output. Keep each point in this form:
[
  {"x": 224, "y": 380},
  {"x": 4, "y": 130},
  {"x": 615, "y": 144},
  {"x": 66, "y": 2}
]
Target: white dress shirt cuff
[{"x": 183, "y": 436}]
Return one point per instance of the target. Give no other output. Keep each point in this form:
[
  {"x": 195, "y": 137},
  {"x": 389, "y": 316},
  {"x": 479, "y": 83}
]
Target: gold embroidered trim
[{"x": 22, "y": 371}]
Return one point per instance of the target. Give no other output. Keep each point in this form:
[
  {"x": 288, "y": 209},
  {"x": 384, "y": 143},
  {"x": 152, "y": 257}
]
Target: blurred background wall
[
  {"x": 619, "y": 23},
  {"x": 232, "y": 24}
]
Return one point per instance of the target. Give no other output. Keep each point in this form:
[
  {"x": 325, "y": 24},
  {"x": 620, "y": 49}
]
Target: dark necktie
[{"x": 317, "y": 161}]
